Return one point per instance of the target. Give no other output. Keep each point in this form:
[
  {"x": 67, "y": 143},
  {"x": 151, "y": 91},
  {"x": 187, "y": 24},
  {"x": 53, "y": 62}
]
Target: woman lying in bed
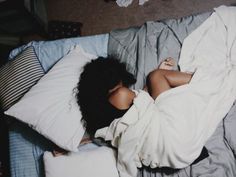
[
  {"x": 104, "y": 90},
  {"x": 104, "y": 93}
]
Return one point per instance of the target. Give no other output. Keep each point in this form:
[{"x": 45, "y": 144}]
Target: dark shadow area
[{"x": 4, "y": 152}]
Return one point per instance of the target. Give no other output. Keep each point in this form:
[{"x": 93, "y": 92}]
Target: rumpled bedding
[
  {"x": 172, "y": 130},
  {"x": 143, "y": 49}
]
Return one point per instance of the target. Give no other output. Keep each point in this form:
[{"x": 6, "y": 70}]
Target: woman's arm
[{"x": 161, "y": 80}]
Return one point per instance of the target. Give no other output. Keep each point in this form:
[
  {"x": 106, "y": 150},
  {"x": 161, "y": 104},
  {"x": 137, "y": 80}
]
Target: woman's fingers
[
  {"x": 59, "y": 153},
  {"x": 170, "y": 61},
  {"x": 167, "y": 64}
]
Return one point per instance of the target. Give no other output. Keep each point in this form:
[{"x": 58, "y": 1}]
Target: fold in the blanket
[{"x": 172, "y": 130}]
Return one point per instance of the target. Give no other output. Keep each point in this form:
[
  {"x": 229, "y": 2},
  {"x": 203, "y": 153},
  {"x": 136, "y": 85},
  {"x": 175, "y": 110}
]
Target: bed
[{"x": 137, "y": 46}]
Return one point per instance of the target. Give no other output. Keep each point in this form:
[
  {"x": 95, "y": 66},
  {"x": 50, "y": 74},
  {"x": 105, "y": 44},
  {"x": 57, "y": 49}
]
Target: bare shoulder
[{"x": 122, "y": 98}]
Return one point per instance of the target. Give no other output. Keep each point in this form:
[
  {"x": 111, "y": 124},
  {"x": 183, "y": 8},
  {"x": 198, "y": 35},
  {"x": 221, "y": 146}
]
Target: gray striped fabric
[{"x": 18, "y": 76}]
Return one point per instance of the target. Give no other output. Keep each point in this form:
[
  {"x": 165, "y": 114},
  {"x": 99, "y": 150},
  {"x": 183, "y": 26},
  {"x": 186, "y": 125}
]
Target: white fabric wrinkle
[{"x": 124, "y": 3}]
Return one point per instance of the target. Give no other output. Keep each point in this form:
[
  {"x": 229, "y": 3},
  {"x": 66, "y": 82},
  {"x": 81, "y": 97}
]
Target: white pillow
[
  {"x": 98, "y": 162},
  {"x": 50, "y": 106}
]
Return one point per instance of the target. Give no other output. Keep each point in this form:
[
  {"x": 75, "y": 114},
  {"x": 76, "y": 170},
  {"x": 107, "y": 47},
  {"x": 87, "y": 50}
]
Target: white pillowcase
[
  {"x": 96, "y": 162},
  {"x": 50, "y": 106}
]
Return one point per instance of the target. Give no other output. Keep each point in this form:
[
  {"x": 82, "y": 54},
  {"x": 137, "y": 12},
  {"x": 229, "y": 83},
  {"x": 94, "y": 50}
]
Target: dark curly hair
[{"x": 98, "y": 77}]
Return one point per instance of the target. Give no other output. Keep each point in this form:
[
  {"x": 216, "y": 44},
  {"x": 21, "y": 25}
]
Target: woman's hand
[
  {"x": 167, "y": 64},
  {"x": 57, "y": 153}
]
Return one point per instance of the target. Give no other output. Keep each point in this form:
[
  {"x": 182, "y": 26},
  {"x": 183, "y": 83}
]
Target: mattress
[{"x": 151, "y": 42}]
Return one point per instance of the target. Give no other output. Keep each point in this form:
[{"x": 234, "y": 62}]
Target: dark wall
[{"x": 4, "y": 150}]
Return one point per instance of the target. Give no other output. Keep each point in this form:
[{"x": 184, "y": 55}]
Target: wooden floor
[{"x": 99, "y": 16}]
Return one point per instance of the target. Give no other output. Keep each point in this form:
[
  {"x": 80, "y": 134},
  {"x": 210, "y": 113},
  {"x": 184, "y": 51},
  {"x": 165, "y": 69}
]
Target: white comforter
[{"x": 172, "y": 130}]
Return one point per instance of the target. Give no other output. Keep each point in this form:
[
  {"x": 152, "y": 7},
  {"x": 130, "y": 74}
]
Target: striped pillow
[{"x": 18, "y": 76}]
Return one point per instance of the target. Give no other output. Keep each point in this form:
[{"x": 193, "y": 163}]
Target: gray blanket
[{"x": 143, "y": 48}]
